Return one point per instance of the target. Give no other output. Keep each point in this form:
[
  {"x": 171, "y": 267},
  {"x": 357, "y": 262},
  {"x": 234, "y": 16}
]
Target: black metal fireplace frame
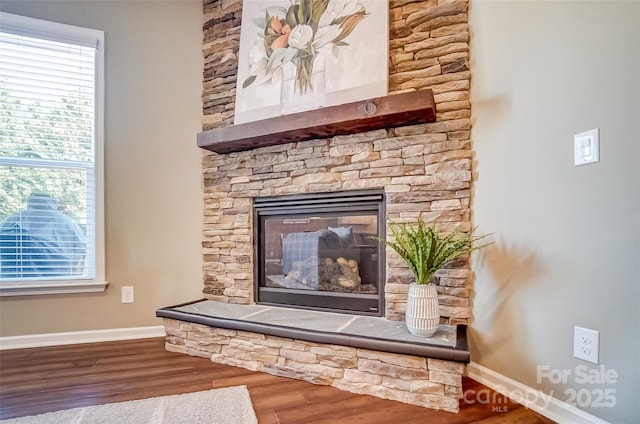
[{"x": 349, "y": 202}]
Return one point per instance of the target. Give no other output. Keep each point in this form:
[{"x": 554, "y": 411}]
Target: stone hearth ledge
[
  {"x": 448, "y": 343},
  {"x": 358, "y": 354}
]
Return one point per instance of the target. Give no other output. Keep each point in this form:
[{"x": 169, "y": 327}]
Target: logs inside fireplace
[{"x": 319, "y": 251}]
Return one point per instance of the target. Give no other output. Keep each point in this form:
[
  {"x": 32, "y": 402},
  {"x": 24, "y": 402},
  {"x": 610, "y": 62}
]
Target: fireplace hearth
[{"x": 319, "y": 251}]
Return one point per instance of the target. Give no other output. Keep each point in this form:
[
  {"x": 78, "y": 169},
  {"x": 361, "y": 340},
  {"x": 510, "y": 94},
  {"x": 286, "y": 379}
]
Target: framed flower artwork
[{"x": 297, "y": 55}]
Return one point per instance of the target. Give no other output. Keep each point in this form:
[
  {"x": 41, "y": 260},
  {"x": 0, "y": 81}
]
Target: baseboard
[
  {"x": 533, "y": 399},
  {"x": 75, "y": 337}
]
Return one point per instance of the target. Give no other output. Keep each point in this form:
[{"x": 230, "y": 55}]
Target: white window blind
[{"x": 50, "y": 155}]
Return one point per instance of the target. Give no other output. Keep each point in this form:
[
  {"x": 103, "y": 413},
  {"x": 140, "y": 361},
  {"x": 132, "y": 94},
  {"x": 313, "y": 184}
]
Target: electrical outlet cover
[
  {"x": 127, "y": 294},
  {"x": 586, "y": 344}
]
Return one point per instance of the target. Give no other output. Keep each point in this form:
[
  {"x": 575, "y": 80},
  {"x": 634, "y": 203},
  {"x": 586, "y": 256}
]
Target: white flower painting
[{"x": 297, "y": 55}]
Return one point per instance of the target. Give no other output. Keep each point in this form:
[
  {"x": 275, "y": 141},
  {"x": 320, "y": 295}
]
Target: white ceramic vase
[{"x": 422, "y": 316}]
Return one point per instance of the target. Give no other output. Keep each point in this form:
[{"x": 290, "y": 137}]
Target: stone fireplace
[
  {"x": 420, "y": 171},
  {"x": 423, "y": 170}
]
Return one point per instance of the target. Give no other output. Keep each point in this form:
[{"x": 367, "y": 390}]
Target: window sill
[{"x": 51, "y": 287}]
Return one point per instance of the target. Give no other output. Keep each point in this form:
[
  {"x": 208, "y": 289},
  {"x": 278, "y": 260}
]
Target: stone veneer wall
[
  {"x": 425, "y": 170},
  {"x": 432, "y": 383}
]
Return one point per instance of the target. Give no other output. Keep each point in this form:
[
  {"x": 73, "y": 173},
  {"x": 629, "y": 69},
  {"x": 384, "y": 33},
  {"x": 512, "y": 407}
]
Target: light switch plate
[{"x": 586, "y": 147}]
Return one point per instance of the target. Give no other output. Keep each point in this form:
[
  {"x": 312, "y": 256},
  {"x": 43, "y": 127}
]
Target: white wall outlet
[
  {"x": 586, "y": 344},
  {"x": 127, "y": 294},
  {"x": 586, "y": 147}
]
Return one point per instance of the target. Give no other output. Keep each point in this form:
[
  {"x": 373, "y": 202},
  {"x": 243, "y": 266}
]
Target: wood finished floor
[{"x": 38, "y": 380}]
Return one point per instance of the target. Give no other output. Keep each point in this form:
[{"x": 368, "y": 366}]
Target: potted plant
[{"x": 425, "y": 249}]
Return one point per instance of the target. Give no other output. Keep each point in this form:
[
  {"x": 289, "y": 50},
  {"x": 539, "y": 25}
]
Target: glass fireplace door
[{"x": 320, "y": 251}]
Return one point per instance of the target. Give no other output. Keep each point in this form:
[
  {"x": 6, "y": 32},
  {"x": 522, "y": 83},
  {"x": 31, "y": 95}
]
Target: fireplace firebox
[{"x": 319, "y": 251}]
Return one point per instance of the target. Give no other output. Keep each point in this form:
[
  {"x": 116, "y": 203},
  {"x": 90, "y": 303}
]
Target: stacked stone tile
[
  {"x": 427, "y": 382},
  {"x": 425, "y": 169}
]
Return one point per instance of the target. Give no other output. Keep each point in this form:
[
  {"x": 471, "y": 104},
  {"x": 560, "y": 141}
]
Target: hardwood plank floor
[{"x": 38, "y": 380}]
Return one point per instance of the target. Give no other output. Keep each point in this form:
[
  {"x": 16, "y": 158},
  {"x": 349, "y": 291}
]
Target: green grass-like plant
[{"x": 426, "y": 250}]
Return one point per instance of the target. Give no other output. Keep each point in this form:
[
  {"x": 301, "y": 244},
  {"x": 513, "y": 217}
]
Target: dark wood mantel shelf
[{"x": 415, "y": 107}]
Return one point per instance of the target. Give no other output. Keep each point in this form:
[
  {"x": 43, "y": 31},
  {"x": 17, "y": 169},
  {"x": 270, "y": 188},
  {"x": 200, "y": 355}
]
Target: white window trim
[{"x": 22, "y": 25}]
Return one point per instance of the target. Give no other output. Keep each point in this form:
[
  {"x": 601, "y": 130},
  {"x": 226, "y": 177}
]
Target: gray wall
[
  {"x": 567, "y": 246},
  {"x": 153, "y": 174}
]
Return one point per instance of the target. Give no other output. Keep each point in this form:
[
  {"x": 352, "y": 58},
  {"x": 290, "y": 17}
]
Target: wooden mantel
[{"x": 414, "y": 107}]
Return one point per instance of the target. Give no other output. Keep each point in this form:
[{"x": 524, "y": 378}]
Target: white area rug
[{"x": 229, "y": 405}]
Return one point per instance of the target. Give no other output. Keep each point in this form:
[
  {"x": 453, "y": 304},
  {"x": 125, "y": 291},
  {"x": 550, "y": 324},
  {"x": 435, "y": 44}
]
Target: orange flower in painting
[
  {"x": 280, "y": 42},
  {"x": 275, "y": 27}
]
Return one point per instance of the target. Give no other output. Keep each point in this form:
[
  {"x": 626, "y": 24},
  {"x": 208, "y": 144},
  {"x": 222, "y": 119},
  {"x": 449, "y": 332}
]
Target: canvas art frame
[{"x": 298, "y": 55}]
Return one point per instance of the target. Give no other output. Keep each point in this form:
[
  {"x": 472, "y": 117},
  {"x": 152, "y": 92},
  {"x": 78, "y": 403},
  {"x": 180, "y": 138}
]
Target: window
[{"x": 51, "y": 150}]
